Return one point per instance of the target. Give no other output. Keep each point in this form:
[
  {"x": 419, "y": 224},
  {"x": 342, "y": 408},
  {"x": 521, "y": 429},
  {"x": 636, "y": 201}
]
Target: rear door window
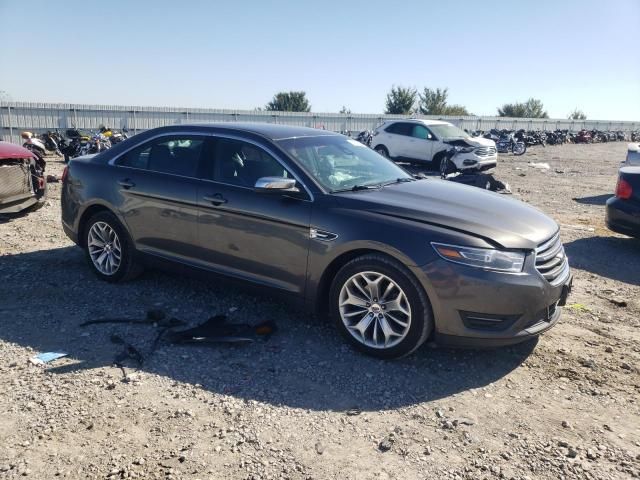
[
  {"x": 400, "y": 128},
  {"x": 175, "y": 155}
]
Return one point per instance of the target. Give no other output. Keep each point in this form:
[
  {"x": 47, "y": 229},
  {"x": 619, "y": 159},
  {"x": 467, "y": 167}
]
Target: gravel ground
[{"x": 302, "y": 405}]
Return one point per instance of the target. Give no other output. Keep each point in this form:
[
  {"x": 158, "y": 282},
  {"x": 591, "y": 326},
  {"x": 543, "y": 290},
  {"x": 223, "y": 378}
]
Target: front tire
[
  {"x": 446, "y": 167},
  {"x": 108, "y": 249},
  {"x": 382, "y": 150},
  {"x": 379, "y": 307},
  {"x": 519, "y": 148}
]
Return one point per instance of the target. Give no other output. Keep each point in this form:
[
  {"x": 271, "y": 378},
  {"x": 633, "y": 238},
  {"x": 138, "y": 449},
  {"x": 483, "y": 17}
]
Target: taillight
[
  {"x": 65, "y": 172},
  {"x": 623, "y": 189}
]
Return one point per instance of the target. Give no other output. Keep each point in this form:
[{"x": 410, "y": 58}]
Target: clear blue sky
[{"x": 237, "y": 54}]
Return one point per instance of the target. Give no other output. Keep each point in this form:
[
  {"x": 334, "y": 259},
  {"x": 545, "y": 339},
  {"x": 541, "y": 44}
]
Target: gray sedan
[{"x": 392, "y": 259}]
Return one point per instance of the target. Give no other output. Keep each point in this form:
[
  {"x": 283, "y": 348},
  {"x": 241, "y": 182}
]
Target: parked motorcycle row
[
  {"x": 517, "y": 141},
  {"x": 73, "y": 143}
]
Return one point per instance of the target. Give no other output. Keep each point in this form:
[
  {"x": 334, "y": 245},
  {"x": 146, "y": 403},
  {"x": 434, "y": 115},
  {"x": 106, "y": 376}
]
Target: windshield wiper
[
  {"x": 357, "y": 188},
  {"x": 399, "y": 180}
]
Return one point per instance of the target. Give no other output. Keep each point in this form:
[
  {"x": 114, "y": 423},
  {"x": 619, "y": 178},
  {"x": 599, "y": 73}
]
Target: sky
[{"x": 238, "y": 54}]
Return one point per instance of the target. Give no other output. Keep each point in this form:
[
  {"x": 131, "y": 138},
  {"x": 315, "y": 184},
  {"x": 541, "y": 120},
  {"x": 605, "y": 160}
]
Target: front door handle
[
  {"x": 126, "y": 184},
  {"x": 215, "y": 199}
]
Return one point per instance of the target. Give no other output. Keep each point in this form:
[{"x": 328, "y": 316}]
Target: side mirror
[
  {"x": 429, "y": 136},
  {"x": 276, "y": 185}
]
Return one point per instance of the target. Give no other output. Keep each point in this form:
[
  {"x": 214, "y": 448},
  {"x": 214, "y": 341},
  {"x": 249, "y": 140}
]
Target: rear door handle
[
  {"x": 126, "y": 184},
  {"x": 215, "y": 199}
]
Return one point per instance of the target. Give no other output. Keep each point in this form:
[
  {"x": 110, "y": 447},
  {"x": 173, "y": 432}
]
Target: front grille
[
  {"x": 551, "y": 261},
  {"x": 485, "y": 151},
  {"x": 14, "y": 180}
]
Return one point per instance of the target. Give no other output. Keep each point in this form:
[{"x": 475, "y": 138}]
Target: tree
[
  {"x": 532, "y": 108},
  {"x": 577, "y": 115},
  {"x": 434, "y": 102},
  {"x": 345, "y": 111},
  {"x": 456, "y": 110},
  {"x": 289, "y": 102},
  {"x": 4, "y": 96},
  {"x": 401, "y": 100}
]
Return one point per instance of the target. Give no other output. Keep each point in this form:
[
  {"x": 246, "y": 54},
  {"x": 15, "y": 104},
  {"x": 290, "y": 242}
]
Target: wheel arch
[
  {"x": 87, "y": 214},
  {"x": 382, "y": 145},
  {"x": 321, "y": 300}
]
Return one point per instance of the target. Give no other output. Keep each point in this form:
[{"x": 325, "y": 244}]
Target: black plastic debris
[
  {"x": 485, "y": 181},
  {"x": 218, "y": 330}
]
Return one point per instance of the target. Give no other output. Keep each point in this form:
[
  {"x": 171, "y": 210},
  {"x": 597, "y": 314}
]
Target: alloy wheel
[
  {"x": 104, "y": 248},
  {"x": 375, "y": 310}
]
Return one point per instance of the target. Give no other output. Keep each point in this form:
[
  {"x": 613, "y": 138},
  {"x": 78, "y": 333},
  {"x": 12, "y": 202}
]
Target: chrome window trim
[{"x": 113, "y": 161}]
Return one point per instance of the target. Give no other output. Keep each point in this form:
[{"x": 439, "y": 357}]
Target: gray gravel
[{"x": 302, "y": 405}]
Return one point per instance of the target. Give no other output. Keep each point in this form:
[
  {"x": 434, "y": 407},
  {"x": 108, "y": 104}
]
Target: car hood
[
  {"x": 470, "y": 141},
  {"x": 494, "y": 217}
]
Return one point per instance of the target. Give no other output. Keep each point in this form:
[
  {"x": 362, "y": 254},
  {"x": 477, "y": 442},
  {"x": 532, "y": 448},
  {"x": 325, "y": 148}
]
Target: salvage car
[
  {"x": 633, "y": 155},
  {"x": 22, "y": 180},
  {"x": 392, "y": 259},
  {"x": 623, "y": 209},
  {"x": 429, "y": 140}
]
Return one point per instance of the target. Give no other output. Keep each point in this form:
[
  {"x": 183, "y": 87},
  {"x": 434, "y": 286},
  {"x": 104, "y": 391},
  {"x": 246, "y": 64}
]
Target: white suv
[{"x": 428, "y": 140}]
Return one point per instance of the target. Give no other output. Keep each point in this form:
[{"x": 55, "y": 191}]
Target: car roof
[
  {"x": 425, "y": 121},
  {"x": 271, "y": 131}
]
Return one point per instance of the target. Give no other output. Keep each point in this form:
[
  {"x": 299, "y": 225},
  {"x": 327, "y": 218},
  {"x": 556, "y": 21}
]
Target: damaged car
[
  {"x": 392, "y": 259},
  {"x": 429, "y": 140},
  {"x": 22, "y": 180}
]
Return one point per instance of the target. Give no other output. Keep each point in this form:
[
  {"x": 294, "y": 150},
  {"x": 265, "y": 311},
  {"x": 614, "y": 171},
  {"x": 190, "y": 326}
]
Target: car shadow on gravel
[
  {"x": 594, "y": 199},
  {"x": 305, "y": 364},
  {"x": 616, "y": 258}
]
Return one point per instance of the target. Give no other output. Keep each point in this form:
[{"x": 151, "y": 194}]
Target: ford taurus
[{"x": 392, "y": 259}]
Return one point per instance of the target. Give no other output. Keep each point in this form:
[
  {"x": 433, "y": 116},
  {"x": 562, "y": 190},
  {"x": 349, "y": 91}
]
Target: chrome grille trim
[
  {"x": 551, "y": 261},
  {"x": 485, "y": 151}
]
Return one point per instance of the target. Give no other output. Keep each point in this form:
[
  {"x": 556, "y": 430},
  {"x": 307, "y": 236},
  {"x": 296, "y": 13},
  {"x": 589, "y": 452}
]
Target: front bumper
[
  {"x": 475, "y": 307},
  {"x": 471, "y": 161},
  {"x": 17, "y": 203},
  {"x": 623, "y": 216}
]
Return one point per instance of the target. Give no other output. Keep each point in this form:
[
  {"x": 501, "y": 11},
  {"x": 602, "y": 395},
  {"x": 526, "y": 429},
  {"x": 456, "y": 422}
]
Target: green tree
[
  {"x": 458, "y": 110},
  {"x": 345, "y": 111},
  {"x": 577, "y": 115},
  {"x": 532, "y": 108},
  {"x": 289, "y": 102},
  {"x": 434, "y": 102},
  {"x": 401, "y": 100}
]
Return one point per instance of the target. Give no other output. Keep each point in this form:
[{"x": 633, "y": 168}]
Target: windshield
[
  {"x": 339, "y": 163},
  {"x": 447, "y": 130}
]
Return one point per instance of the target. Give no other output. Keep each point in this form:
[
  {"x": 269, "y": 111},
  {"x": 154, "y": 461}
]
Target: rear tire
[
  {"x": 397, "y": 322},
  {"x": 109, "y": 249}
]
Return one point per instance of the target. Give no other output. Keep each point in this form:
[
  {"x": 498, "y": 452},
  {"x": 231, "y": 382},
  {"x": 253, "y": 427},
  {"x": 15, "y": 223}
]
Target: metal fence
[{"x": 16, "y": 117}]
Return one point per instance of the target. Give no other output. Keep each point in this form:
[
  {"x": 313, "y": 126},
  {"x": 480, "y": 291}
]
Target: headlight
[
  {"x": 487, "y": 258},
  {"x": 467, "y": 149}
]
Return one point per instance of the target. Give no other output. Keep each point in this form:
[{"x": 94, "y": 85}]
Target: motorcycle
[
  {"x": 51, "y": 142},
  {"x": 113, "y": 135},
  {"x": 34, "y": 144},
  {"x": 507, "y": 143},
  {"x": 365, "y": 137},
  {"x": 583, "y": 136}
]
